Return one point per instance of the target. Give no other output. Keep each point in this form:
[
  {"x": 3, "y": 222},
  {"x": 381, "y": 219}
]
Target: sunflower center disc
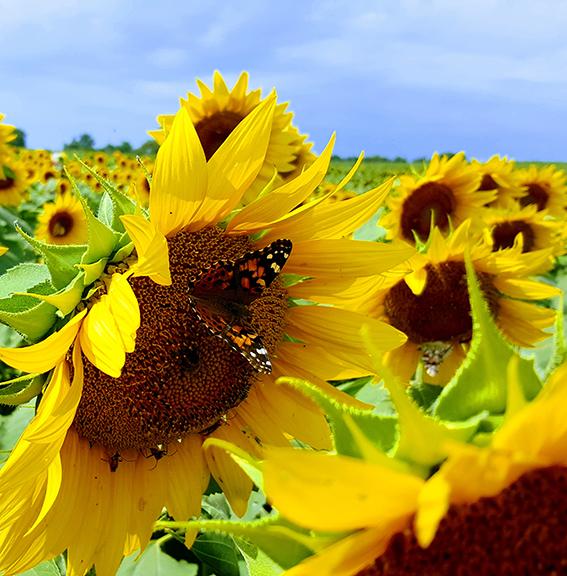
[
  {"x": 442, "y": 311},
  {"x": 214, "y": 130},
  {"x": 537, "y": 194},
  {"x": 61, "y": 224},
  {"x": 505, "y": 233},
  {"x": 431, "y": 198},
  {"x": 6, "y": 183},
  {"x": 180, "y": 379},
  {"x": 487, "y": 183}
]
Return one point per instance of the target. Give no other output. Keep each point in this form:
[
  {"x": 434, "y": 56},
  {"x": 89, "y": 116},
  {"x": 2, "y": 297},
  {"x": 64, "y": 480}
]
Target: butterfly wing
[
  {"x": 256, "y": 270},
  {"x": 239, "y": 334}
]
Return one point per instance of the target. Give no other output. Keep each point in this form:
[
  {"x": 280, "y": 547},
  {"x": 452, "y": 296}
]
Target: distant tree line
[
  {"x": 86, "y": 142},
  {"x": 385, "y": 159}
]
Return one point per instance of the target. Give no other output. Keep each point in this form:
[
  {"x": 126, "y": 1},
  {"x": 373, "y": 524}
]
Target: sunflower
[
  {"x": 62, "y": 221},
  {"x": 426, "y": 297},
  {"x": 495, "y": 509},
  {"x": 14, "y": 184},
  {"x": 498, "y": 174},
  {"x": 120, "y": 437},
  {"x": 527, "y": 225},
  {"x": 545, "y": 187},
  {"x": 217, "y": 112},
  {"x": 7, "y": 134},
  {"x": 447, "y": 194}
]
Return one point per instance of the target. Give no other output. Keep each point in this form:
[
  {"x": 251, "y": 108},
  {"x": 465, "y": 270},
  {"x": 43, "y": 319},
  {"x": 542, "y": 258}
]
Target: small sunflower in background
[
  {"x": 62, "y": 221},
  {"x": 528, "y": 226},
  {"x": 14, "y": 184},
  {"x": 426, "y": 298},
  {"x": 216, "y": 112},
  {"x": 497, "y": 173},
  {"x": 179, "y": 340},
  {"x": 7, "y": 135},
  {"x": 545, "y": 187},
  {"x": 445, "y": 196}
]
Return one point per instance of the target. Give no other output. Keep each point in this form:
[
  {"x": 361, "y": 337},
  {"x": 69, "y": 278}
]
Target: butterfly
[{"x": 220, "y": 296}]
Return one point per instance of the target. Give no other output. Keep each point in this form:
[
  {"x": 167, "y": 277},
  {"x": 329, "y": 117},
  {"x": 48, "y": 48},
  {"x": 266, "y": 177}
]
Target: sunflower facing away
[
  {"x": 177, "y": 327},
  {"x": 217, "y": 112}
]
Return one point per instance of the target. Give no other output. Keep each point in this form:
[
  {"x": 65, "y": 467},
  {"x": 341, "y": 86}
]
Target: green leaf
[
  {"x": 219, "y": 552},
  {"x": 49, "y": 568},
  {"x": 61, "y": 260},
  {"x": 22, "y": 389},
  {"x": 66, "y": 299},
  {"x": 155, "y": 562},
  {"x": 23, "y": 278},
  {"x": 93, "y": 271},
  {"x": 13, "y": 425},
  {"x": 559, "y": 354},
  {"x": 481, "y": 382},
  {"x": 257, "y": 561},
  {"x": 29, "y": 317}
]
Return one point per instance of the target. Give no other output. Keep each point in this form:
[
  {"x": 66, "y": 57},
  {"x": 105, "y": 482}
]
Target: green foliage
[
  {"x": 83, "y": 142},
  {"x": 20, "y": 139}
]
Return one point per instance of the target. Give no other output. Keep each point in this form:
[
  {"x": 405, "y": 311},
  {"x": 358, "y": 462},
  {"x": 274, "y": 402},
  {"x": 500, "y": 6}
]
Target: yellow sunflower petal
[
  {"x": 433, "y": 503},
  {"x": 125, "y": 310},
  {"x": 151, "y": 247},
  {"x": 349, "y": 555},
  {"x": 235, "y": 484},
  {"x": 179, "y": 182},
  {"x": 44, "y": 355},
  {"x": 525, "y": 289},
  {"x": 271, "y": 207},
  {"x": 102, "y": 340},
  {"x": 326, "y": 257},
  {"x": 343, "y": 493},
  {"x": 331, "y": 221},
  {"x": 340, "y": 332},
  {"x": 235, "y": 165}
]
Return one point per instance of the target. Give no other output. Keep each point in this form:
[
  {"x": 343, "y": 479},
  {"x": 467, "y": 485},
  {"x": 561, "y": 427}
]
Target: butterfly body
[{"x": 221, "y": 294}]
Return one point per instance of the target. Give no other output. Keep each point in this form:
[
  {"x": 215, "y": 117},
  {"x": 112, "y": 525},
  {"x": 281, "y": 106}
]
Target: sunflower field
[{"x": 238, "y": 357}]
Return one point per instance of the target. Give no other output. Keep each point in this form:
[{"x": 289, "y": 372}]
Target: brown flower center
[
  {"x": 60, "y": 224},
  {"x": 181, "y": 379},
  {"x": 442, "y": 312},
  {"x": 487, "y": 183},
  {"x": 505, "y": 233},
  {"x": 519, "y": 531},
  {"x": 214, "y": 130},
  {"x": 432, "y": 198},
  {"x": 7, "y": 183},
  {"x": 537, "y": 194}
]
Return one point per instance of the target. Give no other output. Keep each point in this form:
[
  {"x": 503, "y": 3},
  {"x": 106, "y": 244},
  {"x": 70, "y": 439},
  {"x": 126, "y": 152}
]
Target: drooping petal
[
  {"x": 179, "y": 182},
  {"x": 343, "y": 493},
  {"x": 45, "y": 355},
  {"x": 151, "y": 247},
  {"x": 125, "y": 309}
]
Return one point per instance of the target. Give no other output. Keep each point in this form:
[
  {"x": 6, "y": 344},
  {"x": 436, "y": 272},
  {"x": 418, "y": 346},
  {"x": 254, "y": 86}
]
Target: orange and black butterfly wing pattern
[
  {"x": 256, "y": 270},
  {"x": 220, "y": 294},
  {"x": 237, "y": 332}
]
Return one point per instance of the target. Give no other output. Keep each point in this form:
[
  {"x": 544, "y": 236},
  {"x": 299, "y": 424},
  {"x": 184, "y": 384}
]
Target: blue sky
[{"x": 391, "y": 77}]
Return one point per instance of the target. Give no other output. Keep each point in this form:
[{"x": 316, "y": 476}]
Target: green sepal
[
  {"x": 60, "y": 260},
  {"x": 93, "y": 271},
  {"x": 102, "y": 239},
  {"x": 559, "y": 354},
  {"x": 126, "y": 247},
  {"x": 65, "y": 300},
  {"x": 379, "y": 428},
  {"x": 284, "y": 543},
  {"x": 25, "y": 314},
  {"x": 121, "y": 204},
  {"x": 422, "y": 440},
  {"x": 22, "y": 389},
  {"x": 481, "y": 382}
]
